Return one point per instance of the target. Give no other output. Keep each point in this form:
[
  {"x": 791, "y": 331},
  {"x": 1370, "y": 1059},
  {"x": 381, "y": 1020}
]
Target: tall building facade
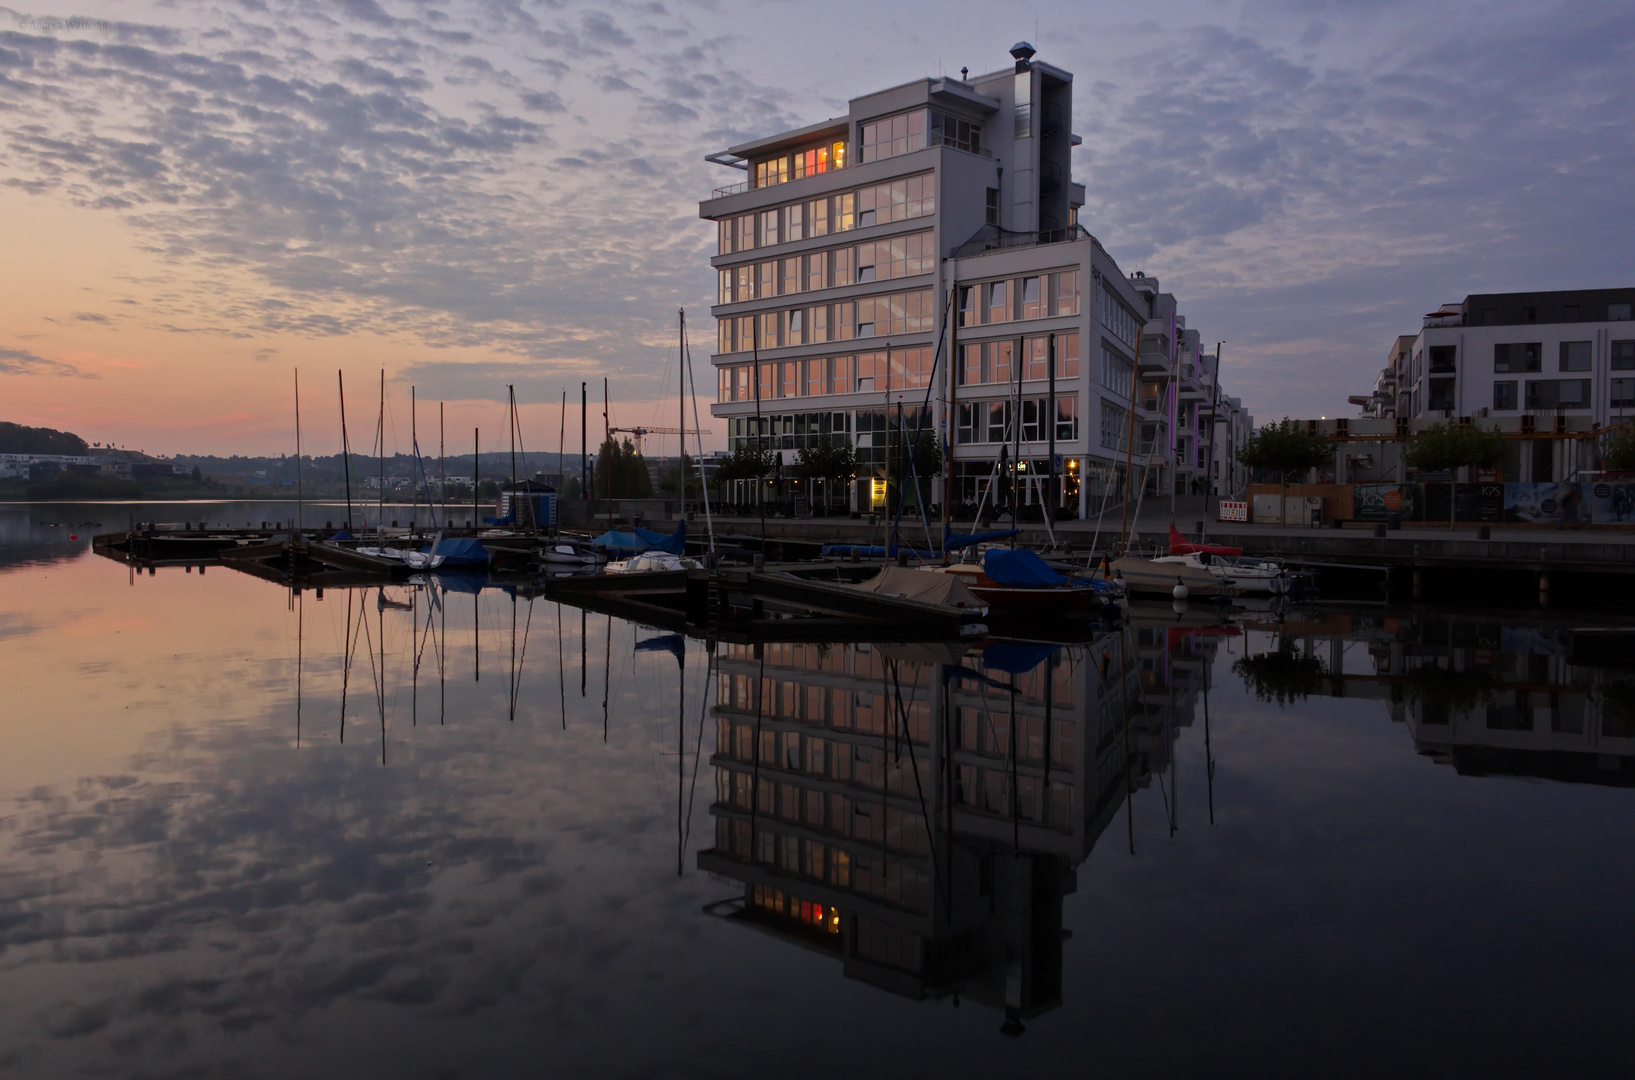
[{"x": 919, "y": 263}]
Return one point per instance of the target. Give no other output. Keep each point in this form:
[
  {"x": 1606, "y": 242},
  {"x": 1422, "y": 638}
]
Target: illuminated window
[
  {"x": 911, "y": 368},
  {"x": 817, "y": 265},
  {"x": 724, "y": 294},
  {"x": 952, "y": 131},
  {"x": 794, "y": 222},
  {"x": 818, "y": 213},
  {"x": 1034, "y": 361},
  {"x": 869, "y": 367},
  {"x": 817, "y": 382},
  {"x": 999, "y": 421},
  {"x": 790, "y": 274}
]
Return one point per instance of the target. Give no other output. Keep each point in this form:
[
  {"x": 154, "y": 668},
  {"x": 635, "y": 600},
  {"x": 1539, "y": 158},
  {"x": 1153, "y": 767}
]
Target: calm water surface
[{"x": 538, "y": 842}]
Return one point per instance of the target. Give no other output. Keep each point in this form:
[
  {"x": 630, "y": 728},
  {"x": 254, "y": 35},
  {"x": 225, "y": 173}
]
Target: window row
[
  {"x": 1115, "y": 426},
  {"x": 833, "y": 812},
  {"x": 876, "y": 260},
  {"x": 1036, "y": 297},
  {"x": 1117, "y": 372},
  {"x": 990, "y": 790},
  {"x": 1119, "y": 320},
  {"x": 906, "y": 132},
  {"x": 878, "y": 204},
  {"x": 889, "y": 879},
  {"x": 773, "y": 900},
  {"x": 1540, "y": 394},
  {"x": 998, "y": 361},
  {"x": 800, "y": 163},
  {"x": 859, "y": 373},
  {"x": 993, "y": 421},
  {"x": 1525, "y": 356},
  {"x": 869, "y": 316},
  {"x": 987, "y": 731}
]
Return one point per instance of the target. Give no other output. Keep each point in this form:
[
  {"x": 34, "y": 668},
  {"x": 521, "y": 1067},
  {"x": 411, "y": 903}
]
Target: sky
[{"x": 199, "y": 199}]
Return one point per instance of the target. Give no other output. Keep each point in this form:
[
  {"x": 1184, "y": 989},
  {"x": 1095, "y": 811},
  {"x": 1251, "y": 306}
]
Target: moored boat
[{"x": 1018, "y": 580}]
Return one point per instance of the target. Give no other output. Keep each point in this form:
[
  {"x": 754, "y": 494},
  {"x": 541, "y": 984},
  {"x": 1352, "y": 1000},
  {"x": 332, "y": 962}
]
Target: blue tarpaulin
[
  {"x": 342, "y": 535},
  {"x": 1021, "y": 568},
  {"x": 461, "y": 552},
  {"x": 673, "y": 644},
  {"x": 639, "y": 540},
  {"x": 1017, "y": 657},
  {"x": 955, "y": 543}
]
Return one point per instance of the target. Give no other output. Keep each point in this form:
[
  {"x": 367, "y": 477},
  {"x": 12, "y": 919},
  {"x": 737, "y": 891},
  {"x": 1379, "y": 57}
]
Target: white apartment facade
[{"x": 919, "y": 261}]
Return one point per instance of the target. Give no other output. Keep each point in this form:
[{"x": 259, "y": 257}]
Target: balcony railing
[
  {"x": 730, "y": 189},
  {"x": 993, "y": 238}
]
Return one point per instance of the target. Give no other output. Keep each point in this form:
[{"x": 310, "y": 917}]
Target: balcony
[
  {"x": 993, "y": 238},
  {"x": 730, "y": 189}
]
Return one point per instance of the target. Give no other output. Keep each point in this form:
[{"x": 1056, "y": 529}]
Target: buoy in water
[
  {"x": 1180, "y": 592},
  {"x": 1180, "y": 607}
]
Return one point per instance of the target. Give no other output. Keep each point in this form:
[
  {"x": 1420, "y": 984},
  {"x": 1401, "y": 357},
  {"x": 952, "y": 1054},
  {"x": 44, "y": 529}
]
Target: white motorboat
[
  {"x": 569, "y": 553},
  {"x": 1161, "y": 577},
  {"x": 1251, "y": 574},
  {"x": 649, "y": 562}
]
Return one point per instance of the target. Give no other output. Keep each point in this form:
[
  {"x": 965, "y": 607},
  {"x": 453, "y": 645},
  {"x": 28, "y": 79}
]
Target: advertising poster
[
  {"x": 1611, "y": 503},
  {"x": 1563, "y": 505},
  {"x": 1381, "y": 501}
]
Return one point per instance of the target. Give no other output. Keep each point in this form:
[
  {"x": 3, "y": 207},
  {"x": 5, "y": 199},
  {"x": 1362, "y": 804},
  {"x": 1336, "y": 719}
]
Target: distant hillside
[{"x": 17, "y": 439}]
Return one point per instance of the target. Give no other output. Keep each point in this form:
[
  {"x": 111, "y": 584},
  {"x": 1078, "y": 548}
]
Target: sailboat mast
[
  {"x": 681, "y": 415},
  {"x": 300, "y": 499},
  {"x": 511, "y": 400},
  {"x": 561, "y": 447},
  {"x": 380, "y": 514},
  {"x": 414, "y": 446},
  {"x": 346, "y": 448}
]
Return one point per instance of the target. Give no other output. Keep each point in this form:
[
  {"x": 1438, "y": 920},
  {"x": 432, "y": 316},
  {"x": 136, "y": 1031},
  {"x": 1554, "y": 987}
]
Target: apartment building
[
  {"x": 917, "y": 812},
  {"x": 919, "y": 264}
]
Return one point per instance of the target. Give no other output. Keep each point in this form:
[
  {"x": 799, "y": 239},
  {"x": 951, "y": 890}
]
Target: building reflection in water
[
  {"x": 1487, "y": 694},
  {"x": 917, "y": 811}
]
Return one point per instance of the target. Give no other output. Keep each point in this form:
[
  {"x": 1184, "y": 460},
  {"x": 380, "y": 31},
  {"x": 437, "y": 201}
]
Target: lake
[{"x": 455, "y": 829}]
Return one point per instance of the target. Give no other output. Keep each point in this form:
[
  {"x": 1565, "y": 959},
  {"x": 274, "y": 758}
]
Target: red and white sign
[{"x": 1234, "y": 511}]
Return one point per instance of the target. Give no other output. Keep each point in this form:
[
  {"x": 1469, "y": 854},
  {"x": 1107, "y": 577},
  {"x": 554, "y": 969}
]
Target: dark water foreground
[{"x": 846, "y": 860}]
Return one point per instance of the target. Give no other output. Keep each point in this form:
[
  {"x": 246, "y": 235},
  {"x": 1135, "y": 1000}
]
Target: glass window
[
  {"x": 746, "y": 333},
  {"x": 794, "y": 222},
  {"x": 795, "y": 327},
  {"x": 817, "y": 329},
  {"x": 1575, "y": 356},
  {"x": 911, "y": 368},
  {"x": 1067, "y": 417},
  {"x": 724, "y": 293},
  {"x": 996, "y": 295},
  {"x": 865, "y": 262},
  {"x": 769, "y": 228},
  {"x": 965, "y": 430},
  {"x": 1558, "y": 393},
  {"x": 1115, "y": 421},
  {"x": 723, "y": 236},
  {"x": 1035, "y": 364},
  {"x": 871, "y": 367},
  {"x": 1067, "y": 356},
  {"x": 999, "y": 357},
  {"x": 746, "y": 232},
  {"x": 840, "y": 374},
  {"x": 970, "y": 368},
  {"x": 999, "y": 415},
  {"x": 1504, "y": 395},
  {"x": 1032, "y": 307},
  {"x": 969, "y": 313},
  {"x": 768, "y": 272},
  {"x": 817, "y": 214},
  {"x": 1032, "y": 414},
  {"x": 952, "y": 131},
  {"x": 768, "y": 333},
  {"x": 1443, "y": 358},
  {"x": 789, "y": 380},
  {"x": 1118, "y": 319},
  {"x": 1623, "y": 393},
  {"x": 1618, "y": 312},
  {"x": 817, "y": 266},
  {"x": 841, "y": 258},
  {"x": 791, "y": 275},
  {"x": 817, "y": 377},
  {"x": 845, "y": 319},
  {"x": 745, "y": 287},
  {"x": 1518, "y": 356},
  {"x": 1623, "y": 355},
  {"x": 890, "y": 136},
  {"x": 1064, "y": 292},
  {"x": 845, "y": 215}
]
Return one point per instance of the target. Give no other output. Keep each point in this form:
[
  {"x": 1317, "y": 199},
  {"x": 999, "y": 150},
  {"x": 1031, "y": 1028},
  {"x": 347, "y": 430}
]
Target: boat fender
[{"x": 1180, "y": 592}]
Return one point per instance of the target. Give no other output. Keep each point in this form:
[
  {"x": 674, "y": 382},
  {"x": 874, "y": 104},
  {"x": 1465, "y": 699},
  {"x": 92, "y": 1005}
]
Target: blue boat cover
[
  {"x": 1020, "y": 567},
  {"x": 639, "y": 540},
  {"x": 866, "y": 551},
  {"x": 342, "y": 535},
  {"x": 1017, "y": 657},
  {"x": 955, "y": 543},
  {"x": 673, "y": 644},
  {"x": 464, "y": 551}
]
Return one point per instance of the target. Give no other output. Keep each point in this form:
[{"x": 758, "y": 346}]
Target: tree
[
  {"x": 1285, "y": 446},
  {"x": 625, "y": 468},
  {"x": 1618, "y": 452},
  {"x": 828, "y": 460},
  {"x": 17, "y": 439},
  {"x": 1452, "y": 446},
  {"x": 748, "y": 461},
  {"x": 1282, "y": 675}
]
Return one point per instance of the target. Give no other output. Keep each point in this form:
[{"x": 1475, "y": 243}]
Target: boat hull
[{"x": 1144, "y": 577}]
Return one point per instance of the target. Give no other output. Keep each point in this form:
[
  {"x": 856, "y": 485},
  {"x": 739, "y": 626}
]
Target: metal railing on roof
[
  {"x": 730, "y": 189},
  {"x": 994, "y": 238}
]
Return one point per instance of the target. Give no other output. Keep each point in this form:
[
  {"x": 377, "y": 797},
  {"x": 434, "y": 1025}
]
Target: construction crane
[{"x": 638, "y": 432}]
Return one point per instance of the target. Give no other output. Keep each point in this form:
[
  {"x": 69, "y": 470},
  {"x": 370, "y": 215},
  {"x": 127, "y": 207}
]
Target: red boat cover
[{"x": 1178, "y": 546}]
